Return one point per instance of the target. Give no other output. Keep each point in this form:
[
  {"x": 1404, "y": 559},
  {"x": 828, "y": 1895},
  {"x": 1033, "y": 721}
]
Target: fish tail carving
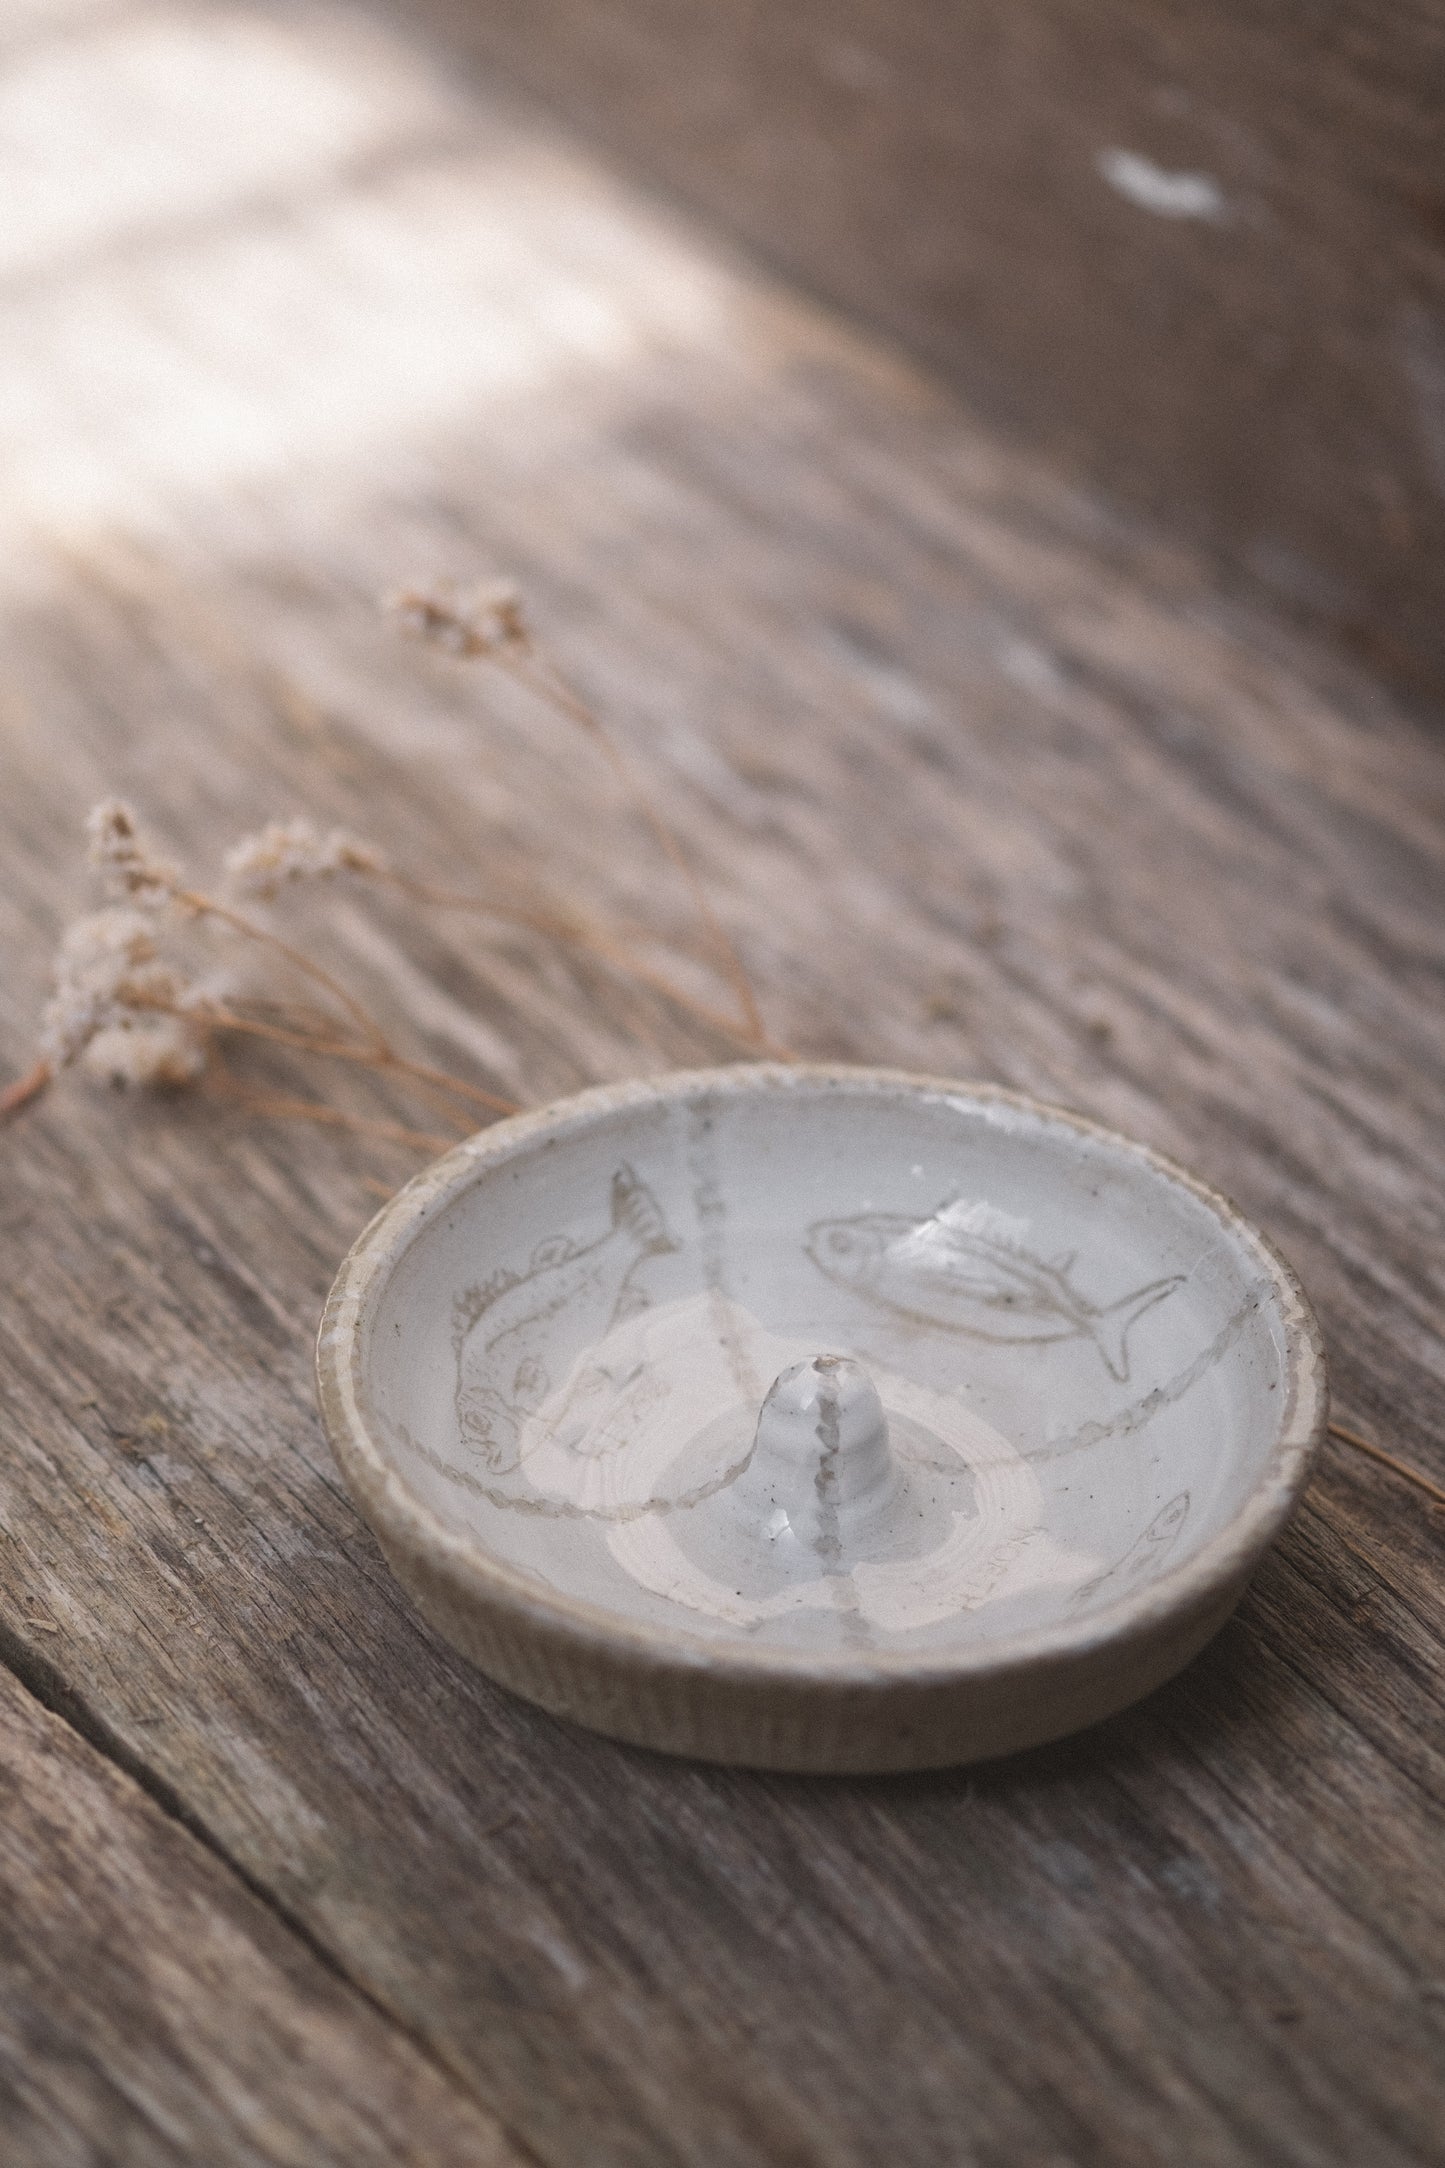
[
  {"x": 1112, "y": 1327},
  {"x": 635, "y": 1208}
]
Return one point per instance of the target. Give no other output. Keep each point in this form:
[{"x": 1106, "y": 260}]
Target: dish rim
[{"x": 402, "y": 1519}]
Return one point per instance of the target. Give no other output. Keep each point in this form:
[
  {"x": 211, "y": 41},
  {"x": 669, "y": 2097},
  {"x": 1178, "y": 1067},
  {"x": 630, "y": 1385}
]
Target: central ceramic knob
[{"x": 822, "y": 1427}]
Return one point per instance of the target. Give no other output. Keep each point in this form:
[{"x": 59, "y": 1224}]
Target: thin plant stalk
[
  {"x": 543, "y": 679},
  {"x": 387, "y": 1061},
  {"x": 1388, "y": 1460},
  {"x": 204, "y": 906},
  {"x": 277, "y": 1106},
  {"x": 577, "y": 935},
  {"x": 25, "y": 1088}
]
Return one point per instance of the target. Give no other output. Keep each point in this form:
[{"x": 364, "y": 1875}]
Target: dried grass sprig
[
  {"x": 125, "y": 1005},
  {"x": 131, "y": 1014},
  {"x": 544, "y": 680},
  {"x": 134, "y": 871},
  {"x": 250, "y": 929},
  {"x": 283, "y": 1107},
  {"x": 279, "y": 854},
  {"x": 1402, "y": 1468},
  {"x": 492, "y": 626},
  {"x": 295, "y": 850},
  {"x": 590, "y": 941},
  {"x": 222, "y": 1017}
]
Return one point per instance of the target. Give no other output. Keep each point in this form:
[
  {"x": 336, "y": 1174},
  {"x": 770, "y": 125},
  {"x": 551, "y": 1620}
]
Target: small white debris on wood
[{"x": 1154, "y": 188}]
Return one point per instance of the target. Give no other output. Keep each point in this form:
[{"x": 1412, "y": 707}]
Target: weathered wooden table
[{"x": 984, "y": 783}]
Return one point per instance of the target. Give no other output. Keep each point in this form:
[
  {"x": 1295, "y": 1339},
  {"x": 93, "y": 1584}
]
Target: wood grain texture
[
  {"x": 983, "y": 783},
  {"x": 153, "y": 2011},
  {"x": 1267, "y": 380}
]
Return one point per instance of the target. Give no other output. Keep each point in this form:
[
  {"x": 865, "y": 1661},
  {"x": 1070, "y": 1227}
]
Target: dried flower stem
[
  {"x": 574, "y": 933},
  {"x": 377, "y": 1053},
  {"x": 222, "y": 1018},
  {"x": 203, "y": 906},
  {"x": 539, "y": 676},
  {"x": 277, "y": 1106},
  {"x": 1388, "y": 1460},
  {"x": 25, "y": 1088},
  {"x": 492, "y": 625}
]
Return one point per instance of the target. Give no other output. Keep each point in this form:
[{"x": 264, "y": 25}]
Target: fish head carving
[{"x": 853, "y": 1251}]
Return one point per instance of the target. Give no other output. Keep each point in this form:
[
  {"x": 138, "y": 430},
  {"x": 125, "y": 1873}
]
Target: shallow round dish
[{"x": 820, "y": 1418}]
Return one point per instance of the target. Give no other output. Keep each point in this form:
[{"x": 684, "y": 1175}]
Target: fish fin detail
[
  {"x": 1112, "y": 1327},
  {"x": 474, "y": 1302},
  {"x": 635, "y": 1208},
  {"x": 631, "y": 1302}
]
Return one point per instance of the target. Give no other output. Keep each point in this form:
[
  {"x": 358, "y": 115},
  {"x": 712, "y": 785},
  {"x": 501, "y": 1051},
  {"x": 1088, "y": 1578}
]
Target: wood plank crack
[{"x": 43, "y": 1680}]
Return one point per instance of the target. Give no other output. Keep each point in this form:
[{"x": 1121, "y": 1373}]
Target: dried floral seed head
[
  {"x": 295, "y": 850},
  {"x": 489, "y": 621},
  {"x": 126, "y": 861},
  {"x": 96, "y": 954},
  {"x": 148, "y": 1052},
  {"x": 111, "y": 985}
]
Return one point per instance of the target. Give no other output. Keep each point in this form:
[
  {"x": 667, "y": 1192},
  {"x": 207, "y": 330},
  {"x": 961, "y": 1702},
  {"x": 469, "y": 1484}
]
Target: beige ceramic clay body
[{"x": 820, "y": 1418}]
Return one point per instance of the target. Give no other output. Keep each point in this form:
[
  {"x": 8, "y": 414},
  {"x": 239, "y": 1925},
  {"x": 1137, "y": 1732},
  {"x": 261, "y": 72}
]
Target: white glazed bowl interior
[{"x": 1130, "y": 1377}]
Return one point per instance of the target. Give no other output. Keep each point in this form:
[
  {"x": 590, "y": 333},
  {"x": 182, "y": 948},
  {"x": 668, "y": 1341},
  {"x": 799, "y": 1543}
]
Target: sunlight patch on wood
[{"x": 241, "y": 248}]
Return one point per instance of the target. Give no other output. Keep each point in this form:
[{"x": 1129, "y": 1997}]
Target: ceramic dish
[{"x": 820, "y": 1418}]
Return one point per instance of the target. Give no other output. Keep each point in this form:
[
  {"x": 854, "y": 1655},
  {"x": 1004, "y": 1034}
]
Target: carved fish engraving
[
  {"x": 963, "y": 1269},
  {"x": 499, "y": 1326},
  {"x": 1146, "y": 1553}
]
